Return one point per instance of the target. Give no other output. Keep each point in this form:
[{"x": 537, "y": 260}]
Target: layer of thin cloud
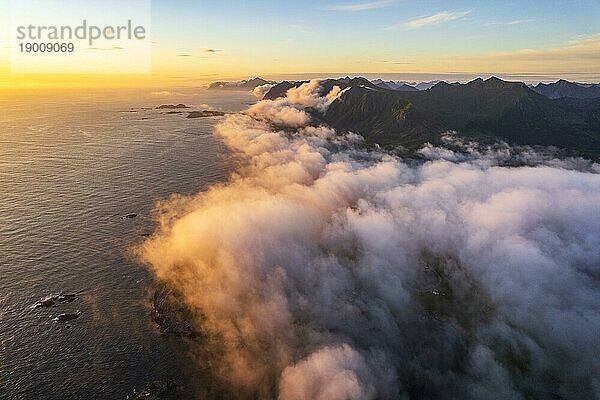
[
  {"x": 577, "y": 57},
  {"x": 520, "y": 21},
  {"x": 435, "y": 19},
  {"x": 165, "y": 93},
  {"x": 324, "y": 270},
  {"x": 362, "y": 6}
]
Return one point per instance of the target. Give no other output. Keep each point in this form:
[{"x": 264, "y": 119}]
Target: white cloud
[
  {"x": 338, "y": 373},
  {"x": 323, "y": 270},
  {"x": 441, "y": 17},
  {"x": 261, "y": 90},
  {"x": 362, "y": 6},
  {"x": 520, "y": 21}
]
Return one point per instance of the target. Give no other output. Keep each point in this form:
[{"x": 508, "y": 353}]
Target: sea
[{"x": 80, "y": 172}]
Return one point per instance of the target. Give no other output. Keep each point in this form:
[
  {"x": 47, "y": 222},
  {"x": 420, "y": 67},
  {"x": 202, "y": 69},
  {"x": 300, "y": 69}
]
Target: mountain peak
[
  {"x": 477, "y": 82},
  {"x": 441, "y": 84},
  {"x": 495, "y": 83}
]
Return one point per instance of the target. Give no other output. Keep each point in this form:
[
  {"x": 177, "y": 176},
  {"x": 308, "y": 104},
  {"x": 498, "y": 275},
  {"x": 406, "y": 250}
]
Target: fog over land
[{"x": 327, "y": 270}]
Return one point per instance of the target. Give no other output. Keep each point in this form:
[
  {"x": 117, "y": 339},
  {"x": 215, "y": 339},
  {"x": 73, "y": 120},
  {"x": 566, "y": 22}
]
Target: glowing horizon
[{"x": 194, "y": 44}]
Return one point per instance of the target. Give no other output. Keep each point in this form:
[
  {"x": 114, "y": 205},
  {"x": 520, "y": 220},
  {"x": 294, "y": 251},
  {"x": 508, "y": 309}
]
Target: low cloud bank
[
  {"x": 322, "y": 270},
  {"x": 458, "y": 149}
]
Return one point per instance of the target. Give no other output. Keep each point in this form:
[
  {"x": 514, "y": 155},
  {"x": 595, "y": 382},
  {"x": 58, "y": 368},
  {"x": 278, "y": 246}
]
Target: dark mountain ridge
[
  {"x": 564, "y": 88},
  {"x": 281, "y": 89},
  {"x": 486, "y": 110}
]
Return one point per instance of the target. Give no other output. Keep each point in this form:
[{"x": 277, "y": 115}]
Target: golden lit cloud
[{"x": 579, "y": 55}]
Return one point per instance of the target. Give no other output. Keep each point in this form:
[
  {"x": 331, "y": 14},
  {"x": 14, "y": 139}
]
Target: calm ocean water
[{"x": 71, "y": 165}]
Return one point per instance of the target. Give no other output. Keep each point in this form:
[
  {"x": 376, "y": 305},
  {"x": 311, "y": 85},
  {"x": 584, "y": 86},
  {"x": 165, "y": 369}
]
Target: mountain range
[
  {"x": 246, "y": 85},
  {"x": 556, "y": 90},
  {"x": 486, "y": 110},
  {"x": 404, "y": 85},
  {"x": 564, "y": 88}
]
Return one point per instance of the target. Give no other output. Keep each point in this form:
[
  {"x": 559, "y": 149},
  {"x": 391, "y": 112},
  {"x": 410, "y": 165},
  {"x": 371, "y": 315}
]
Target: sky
[{"x": 195, "y": 42}]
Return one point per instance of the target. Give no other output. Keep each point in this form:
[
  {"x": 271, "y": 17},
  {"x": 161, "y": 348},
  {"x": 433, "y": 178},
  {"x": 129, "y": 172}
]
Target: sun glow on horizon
[{"x": 193, "y": 45}]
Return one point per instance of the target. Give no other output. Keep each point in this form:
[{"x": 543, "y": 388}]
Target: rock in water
[
  {"x": 205, "y": 114},
  {"x": 53, "y": 299},
  {"x": 171, "y": 106},
  {"x": 66, "y": 317},
  {"x": 47, "y": 301},
  {"x": 66, "y": 298}
]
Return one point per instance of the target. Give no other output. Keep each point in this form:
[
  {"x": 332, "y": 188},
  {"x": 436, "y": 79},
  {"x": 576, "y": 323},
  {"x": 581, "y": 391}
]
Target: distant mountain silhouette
[
  {"x": 564, "y": 88},
  {"x": 488, "y": 110},
  {"x": 402, "y": 86},
  {"x": 246, "y": 85},
  {"x": 426, "y": 85}
]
